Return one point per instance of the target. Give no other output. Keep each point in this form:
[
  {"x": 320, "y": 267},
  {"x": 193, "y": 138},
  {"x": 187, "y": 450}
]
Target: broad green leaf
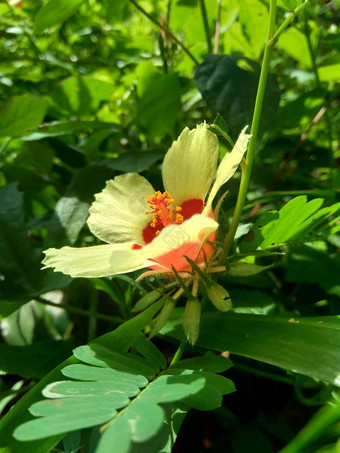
[
  {"x": 244, "y": 28},
  {"x": 290, "y": 4},
  {"x": 6, "y": 308},
  {"x": 309, "y": 346},
  {"x": 20, "y": 114},
  {"x": 297, "y": 221},
  {"x": 252, "y": 302},
  {"x": 294, "y": 43},
  {"x": 80, "y": 96},
  {"x": 306, "y": 264},
  {"x": 229, "y": 84},
  {"x": 328, "y": 73},
  {"x": 159, "y": 104},
  {"x": 135, "y": 161},
  {"x": 54, "y": 12}
]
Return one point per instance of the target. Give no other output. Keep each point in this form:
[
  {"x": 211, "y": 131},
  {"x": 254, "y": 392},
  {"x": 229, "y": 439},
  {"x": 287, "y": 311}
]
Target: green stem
[
  {"x": 288, "y": 21},
  {"x": 320, "y": 423},
  {"x": 179, "y": 352},
  {"x": 80, "y": 311},
  {"x": 206, "y": 24},
  {"x": 264, "y": 374},
  {"x": 224, "y": 134},
  {"x": 92, "y": 322},
  {"x": 254, "y": 129},
  {"x": 166, "y": 30}
]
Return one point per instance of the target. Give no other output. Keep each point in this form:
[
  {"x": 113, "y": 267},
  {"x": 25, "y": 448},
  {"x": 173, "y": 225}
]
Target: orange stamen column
[{"x": 163, "y": 214}]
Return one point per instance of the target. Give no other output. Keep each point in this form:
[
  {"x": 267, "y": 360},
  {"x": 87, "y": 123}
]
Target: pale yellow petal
[
  {"x": 110, "y": 259},
  {"x": 96, "y": 261},
  {"x": 228, "y": 166},
  {"x": 189, "y": 166},
  {"x": 118, "y": 212}
]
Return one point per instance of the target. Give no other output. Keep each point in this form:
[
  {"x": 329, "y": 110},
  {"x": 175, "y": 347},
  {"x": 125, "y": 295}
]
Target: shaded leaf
[
  {"x": 229, "y": 84},
  {"x": 20, "y": 114},
  {"x": 34, "y": 360},
  {"x": 80, "y": 96},
  {"x": 54, "y": 12}
]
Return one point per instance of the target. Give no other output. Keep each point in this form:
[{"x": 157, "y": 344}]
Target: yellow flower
[{"x": 143, "y": 228}]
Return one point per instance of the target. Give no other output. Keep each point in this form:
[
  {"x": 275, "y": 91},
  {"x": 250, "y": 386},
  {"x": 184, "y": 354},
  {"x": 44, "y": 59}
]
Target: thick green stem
[
  {"x": 206, "y": 24},
  {"x": 254, "y": 128},
  {"x": 321, "y": 422}
]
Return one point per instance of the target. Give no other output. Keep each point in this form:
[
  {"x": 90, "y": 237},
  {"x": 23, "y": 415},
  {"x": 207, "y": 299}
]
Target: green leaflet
[
  {"x": 121, "y": 339},
  {"x": 108, "y": 387},
  {"x": 297, "y": 221}
]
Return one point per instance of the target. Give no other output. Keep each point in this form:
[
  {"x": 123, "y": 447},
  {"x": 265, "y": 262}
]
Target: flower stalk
[{"x": 246, "y": 172}]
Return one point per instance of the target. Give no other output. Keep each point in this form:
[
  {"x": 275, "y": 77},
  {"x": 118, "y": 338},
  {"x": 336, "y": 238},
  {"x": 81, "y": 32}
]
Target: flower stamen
[{"x": 163, "y": 214}]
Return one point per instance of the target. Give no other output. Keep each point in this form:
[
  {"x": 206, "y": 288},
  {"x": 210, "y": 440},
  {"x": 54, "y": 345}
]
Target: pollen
[{"x": 164, "y": 214}]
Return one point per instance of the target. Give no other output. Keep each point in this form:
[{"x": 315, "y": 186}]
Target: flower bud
[
  {"x": 219, "y": 296},
  {"x": 191, "y": 319}
]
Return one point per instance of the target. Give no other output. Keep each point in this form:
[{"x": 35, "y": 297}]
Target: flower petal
[
  {"x": 118, "y": 213},
  {"x": 228, "y": 166},
  {"x": 96, "y": 261},
  {"x": 110, "y": 259},
  {"x": 174, "y": 241},
  {"x": 190, "y": 164}
]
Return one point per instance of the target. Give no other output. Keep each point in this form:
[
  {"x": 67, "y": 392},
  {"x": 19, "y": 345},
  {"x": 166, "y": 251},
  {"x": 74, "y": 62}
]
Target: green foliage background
[{"x": 90, "y": 89}]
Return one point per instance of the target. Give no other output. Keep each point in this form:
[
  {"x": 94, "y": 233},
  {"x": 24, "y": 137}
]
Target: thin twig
[
  {"x": 205, "y": 24},
  {"x": 217, "y": 28},
  {"x": 166, "y": 30},
  {"x": 80, "y": 311}
]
